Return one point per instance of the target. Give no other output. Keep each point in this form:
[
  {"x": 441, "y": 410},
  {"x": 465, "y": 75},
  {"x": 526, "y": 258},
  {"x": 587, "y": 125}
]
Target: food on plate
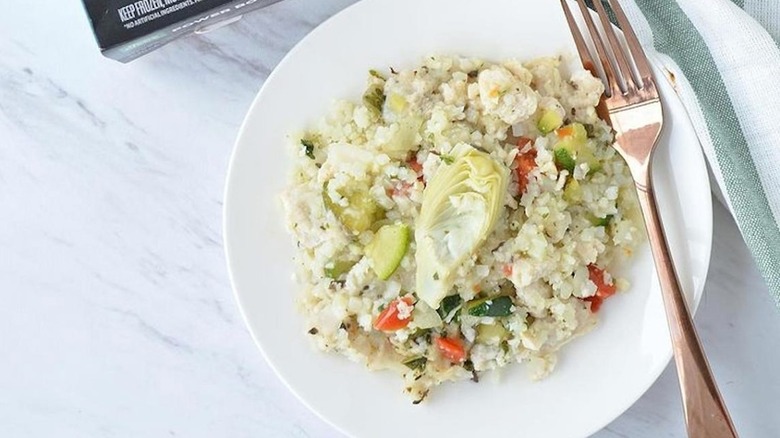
[{"x": 462, "y": 216}]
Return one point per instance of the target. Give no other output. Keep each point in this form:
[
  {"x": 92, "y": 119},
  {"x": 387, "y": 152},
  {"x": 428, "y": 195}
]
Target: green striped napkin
[{"x": 725, "y": 55}]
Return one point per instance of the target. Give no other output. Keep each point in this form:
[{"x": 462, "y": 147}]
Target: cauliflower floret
[
  {"x": 586, "y": 90},
  {"x": 517, "y": 68},
  {"x": 503, "y": 95},
  {"x": 546, "y": 76}
]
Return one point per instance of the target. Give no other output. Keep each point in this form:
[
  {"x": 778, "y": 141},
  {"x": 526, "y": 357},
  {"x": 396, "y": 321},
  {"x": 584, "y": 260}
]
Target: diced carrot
[
  {"x": 525, "y": 163},
  {"x": 565, "y": 131},
  {"x": 507, "y": 270},
  {"x": 595, "y": 303},
  {"x": 452, "y": 349},
  {"x": 390, "y": 319},
  {"x": 603, "y": 290},
  {"x": 522, "y": 141},
  {"x": 416, "y": 167},
  {"x": 596, "y": 275}
]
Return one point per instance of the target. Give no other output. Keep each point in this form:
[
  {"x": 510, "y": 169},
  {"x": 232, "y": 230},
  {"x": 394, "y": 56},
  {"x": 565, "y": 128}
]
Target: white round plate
[{"x": 598, "y": 376}]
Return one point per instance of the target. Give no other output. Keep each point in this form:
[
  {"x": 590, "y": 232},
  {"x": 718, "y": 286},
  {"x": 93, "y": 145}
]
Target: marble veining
[{"x": 117, "y": 318}]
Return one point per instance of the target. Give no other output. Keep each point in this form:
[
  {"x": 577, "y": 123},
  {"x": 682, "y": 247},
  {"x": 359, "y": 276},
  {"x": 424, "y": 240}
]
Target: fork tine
[
  {"x": 613, "y": 86},
  {"x": 579, "y": 40},
  {"x": 617, "y": 48},
  {"x": 640, "y": 59}
]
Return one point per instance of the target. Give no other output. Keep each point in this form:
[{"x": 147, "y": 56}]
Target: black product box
[{"x": 127, "y": 29}]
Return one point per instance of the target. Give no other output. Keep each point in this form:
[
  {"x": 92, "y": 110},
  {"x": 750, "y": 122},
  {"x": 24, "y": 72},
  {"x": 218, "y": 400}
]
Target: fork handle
[{"x": 706, "y": 415}]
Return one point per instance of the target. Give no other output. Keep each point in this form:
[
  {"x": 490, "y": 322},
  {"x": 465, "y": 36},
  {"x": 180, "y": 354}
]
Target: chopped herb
[
  {"x": 374, "y": 99},
  {"x": 448, "y": 306},
  {"x": 392, "y": 70},
  {"x": 416, "y": 363},
  {"x": 420, "y": 333},
  {"x": 447, "y": 159},
  {"x": 377, "y": 75},
  {"x": 468, "y": 365},
  {"x": 504, "y": 347},
  {"x": 498, "y": 306},
  {"x": 590, "y": 130},
  {"x": 507, "y": 288},
  {"x": 436, "y": 276},
  {"x": 564, "y": 160},
  {"x": 313, "y": 331},
  {"x": 603, "y": 221},
  {"x": 474, "y": 376},
  {"x": 308, "y": 147},
  {"x": 422, "y": 397}
]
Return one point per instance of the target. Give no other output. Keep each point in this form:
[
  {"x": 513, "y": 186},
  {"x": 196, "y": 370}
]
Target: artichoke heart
[{"x": 460, "y": 207}]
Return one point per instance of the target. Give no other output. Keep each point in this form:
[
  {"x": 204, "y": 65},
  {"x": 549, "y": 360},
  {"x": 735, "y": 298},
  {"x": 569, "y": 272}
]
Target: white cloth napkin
[{"x": 725, "y": 56}]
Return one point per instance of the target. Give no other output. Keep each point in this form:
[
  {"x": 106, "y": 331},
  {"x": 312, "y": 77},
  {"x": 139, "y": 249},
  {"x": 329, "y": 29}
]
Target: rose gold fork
[{"x": 632, "y": 106}]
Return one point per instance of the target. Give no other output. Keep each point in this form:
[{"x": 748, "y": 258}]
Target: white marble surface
[{"x": 116, "y": 316}]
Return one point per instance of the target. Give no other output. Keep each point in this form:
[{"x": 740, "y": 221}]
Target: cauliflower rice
[{"x": 564, "y": 220}]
